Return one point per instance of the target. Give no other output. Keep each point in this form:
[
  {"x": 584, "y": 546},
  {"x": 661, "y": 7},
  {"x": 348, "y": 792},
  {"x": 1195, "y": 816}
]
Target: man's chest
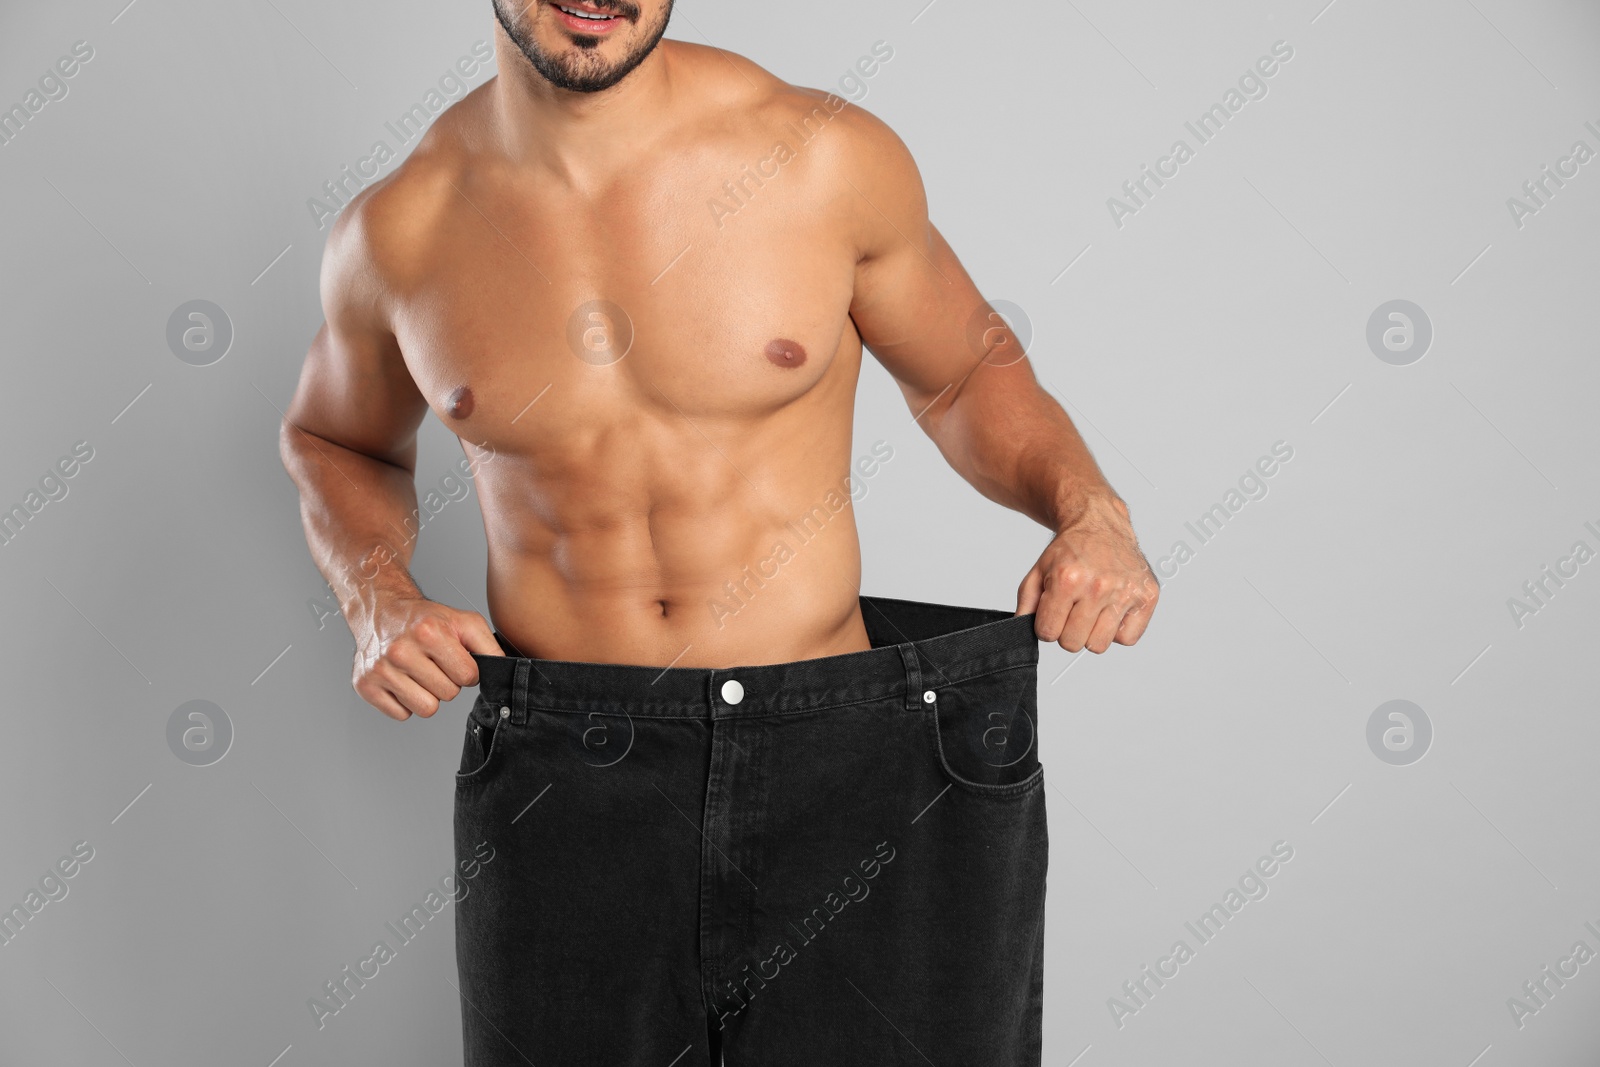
[{"x": 595, "y": 315}]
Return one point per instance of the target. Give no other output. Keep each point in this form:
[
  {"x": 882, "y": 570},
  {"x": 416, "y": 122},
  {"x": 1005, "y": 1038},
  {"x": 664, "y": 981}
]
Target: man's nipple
[
  {"x": 783, "y": 352},
  {"x": 459, "y": 403}
]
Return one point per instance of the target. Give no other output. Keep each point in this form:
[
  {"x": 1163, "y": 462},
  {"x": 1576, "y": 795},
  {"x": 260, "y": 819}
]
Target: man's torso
[{"x": 652, "y": 376}]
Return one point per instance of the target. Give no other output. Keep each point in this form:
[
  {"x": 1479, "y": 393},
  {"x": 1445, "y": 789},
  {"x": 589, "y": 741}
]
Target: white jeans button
[
  {"x": 505, "y": 713},
  {"x": 732, "y": 691},
  {"x": 929, "y": 696}
]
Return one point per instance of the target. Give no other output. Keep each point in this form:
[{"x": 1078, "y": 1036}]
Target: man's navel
[{"x": 783, "y": 352}]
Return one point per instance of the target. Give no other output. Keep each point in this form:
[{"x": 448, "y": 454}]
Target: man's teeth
[{"x": 585, "y": 14}]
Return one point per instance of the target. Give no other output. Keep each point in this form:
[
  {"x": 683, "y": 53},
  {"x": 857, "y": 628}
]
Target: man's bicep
[
  {"x": 355, "y": 388},
  {"x": 913, "y": 300},
  {"x": 914, "y": 310}
]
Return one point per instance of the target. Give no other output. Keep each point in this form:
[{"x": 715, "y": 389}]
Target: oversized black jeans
[{"x": 830, "y": 862}]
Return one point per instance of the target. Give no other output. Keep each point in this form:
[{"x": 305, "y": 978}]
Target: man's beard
[{"x": 583, "y": 71}]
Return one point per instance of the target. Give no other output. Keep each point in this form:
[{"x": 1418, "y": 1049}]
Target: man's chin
[
  {"x": 587, "y": 82},
  {"x": 579, "y": 62}
]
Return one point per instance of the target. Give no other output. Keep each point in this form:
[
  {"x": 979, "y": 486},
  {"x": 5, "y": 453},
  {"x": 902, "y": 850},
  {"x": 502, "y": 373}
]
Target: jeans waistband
[{"x": 916, "y": 647}]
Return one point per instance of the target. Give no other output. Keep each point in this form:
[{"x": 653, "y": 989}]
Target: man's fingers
[
  {"x": 1080, "y": 620},
  {"x": 477, "y": 635},
  {"x": 1096, "y": 619},
  {"x": 385, "y": 702},
  {"x": 1088, "y": 595},
  {"x": 411, "y": 696},
  {"x": 1135, "y": 622},
  {"x": 1028, "y": 592},
  {"x": 1106, "y": 627},
  {"x": 419, "y": 656},
  {"x": 1055, "y": 604},
  {"x": 447, "y": 646},
  {"x": 427, "y": 667}
]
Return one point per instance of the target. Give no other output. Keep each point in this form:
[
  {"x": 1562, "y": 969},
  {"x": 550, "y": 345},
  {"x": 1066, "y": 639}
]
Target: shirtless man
[{"x": 635, "y": 276}]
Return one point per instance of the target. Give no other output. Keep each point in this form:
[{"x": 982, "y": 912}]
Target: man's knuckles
[{"x": 429, "y": 630}]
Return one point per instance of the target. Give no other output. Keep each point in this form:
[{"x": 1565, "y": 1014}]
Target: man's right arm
[{"x": 349, "y": 441}]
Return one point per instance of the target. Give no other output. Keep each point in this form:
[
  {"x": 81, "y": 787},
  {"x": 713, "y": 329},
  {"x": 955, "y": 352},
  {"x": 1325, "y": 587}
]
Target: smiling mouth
[{"x": 597, "y": 18}]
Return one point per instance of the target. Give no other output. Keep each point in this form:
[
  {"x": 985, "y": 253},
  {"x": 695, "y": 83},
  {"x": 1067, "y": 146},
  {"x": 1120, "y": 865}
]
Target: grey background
[{"x": 1227, "y": 314}]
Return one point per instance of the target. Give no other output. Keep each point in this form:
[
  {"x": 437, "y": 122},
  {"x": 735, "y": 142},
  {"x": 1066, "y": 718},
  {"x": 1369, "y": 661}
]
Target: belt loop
[
  {"x": 519, "y": 692},
  {"x": 908, "y": 655}
]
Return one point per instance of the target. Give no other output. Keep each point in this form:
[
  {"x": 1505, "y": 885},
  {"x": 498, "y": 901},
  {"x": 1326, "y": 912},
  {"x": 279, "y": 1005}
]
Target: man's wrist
[
  {"x": 379, "y": 577},
  {"x": 1087, "y": 504}
]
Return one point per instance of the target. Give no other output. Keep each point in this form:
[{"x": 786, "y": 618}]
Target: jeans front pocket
[
  {"x": 483, "y": 741},
  {"x": 984, "y": 734}
]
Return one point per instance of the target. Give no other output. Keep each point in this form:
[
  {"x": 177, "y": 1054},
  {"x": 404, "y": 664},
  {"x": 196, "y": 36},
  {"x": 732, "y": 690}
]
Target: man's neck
[{"x": 580, "y": 138}]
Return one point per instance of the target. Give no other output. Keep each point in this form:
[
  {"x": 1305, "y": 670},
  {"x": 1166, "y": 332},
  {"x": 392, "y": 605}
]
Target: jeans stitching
[
  {"x": 477, "y": 773},
  {"x": 1003, "y": 791}
]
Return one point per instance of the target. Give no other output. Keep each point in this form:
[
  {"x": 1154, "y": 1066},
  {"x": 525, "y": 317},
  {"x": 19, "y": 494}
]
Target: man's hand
[
  {"x": 1092, "y": 586},
  {"x": 414, "y": 653}
]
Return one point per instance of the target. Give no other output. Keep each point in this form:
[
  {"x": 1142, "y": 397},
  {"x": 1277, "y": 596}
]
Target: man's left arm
[{"x": 972, "y": 389}]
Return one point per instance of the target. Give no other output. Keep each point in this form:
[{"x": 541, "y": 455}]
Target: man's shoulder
[
  {"x": 753, "y": 102},
  {"x": 395, "y": 223}
]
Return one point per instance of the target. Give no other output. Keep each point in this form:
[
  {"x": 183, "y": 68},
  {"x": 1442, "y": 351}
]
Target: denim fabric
[{"x": 829, "y": 862}]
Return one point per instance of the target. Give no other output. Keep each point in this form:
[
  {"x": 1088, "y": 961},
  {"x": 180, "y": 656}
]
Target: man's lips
[{"x": 572, "y": 15}]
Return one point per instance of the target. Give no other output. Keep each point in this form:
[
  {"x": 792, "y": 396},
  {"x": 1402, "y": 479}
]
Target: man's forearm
[
  {"x": 1016, "y": 445},
  {"x": 353, "y": 507}
]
